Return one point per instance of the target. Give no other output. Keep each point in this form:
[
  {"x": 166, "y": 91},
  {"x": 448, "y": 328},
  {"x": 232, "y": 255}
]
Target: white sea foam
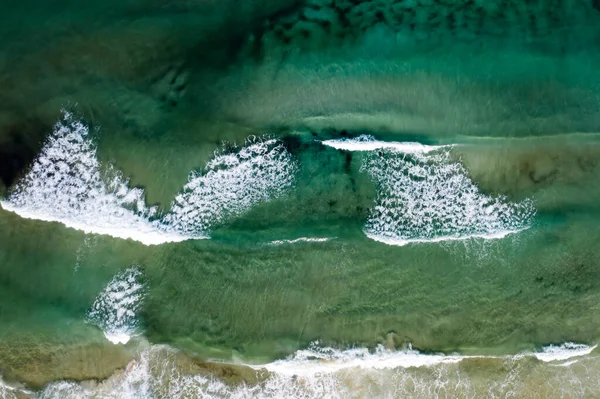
[
  {"x": 9, "y": 391},
  {"x": 402, "y": 242},
  {"x": 425, "y": 196},
  {"x": 319, "y": 372},
  {"x": 369, "y": 143},
  {"x": 116, "y": 307},
  {"x": 319, "y": 360},
  {"x": 67, "y": 184},
  {"x": 563, "y": 352},
  {"x": 301, "y": 239},
  {"x": 231, "y": 185}
]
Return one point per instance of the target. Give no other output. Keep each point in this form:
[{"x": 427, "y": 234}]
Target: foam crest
[
  {"x": 67, "y": 184},
  {"x": 318, "y": 360},
  {"x": 369, "y": 143},
  {"x": 231, "y": 185},
  {"x": 425, "y": 196},
  {"x": 301, "y": 239},
  {"x": 565, "y": 351},
  {"x": 361, "y": 374},
  {"x": 116, "y": 307},
  {"x": 428, "y": 197},
  {"x": 8, "y": 391}
]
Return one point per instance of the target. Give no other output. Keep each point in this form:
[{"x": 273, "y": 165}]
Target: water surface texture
[{"x": 299, "y": 199}]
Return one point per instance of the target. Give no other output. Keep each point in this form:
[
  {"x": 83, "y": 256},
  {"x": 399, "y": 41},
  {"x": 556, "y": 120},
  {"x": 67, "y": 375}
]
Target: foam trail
[
  {"x": 319, "y": 360},
  {"x": 66, "y": 184},
  {"x": 116, "y": 307},
  {"x": 369, "y": 143},
  {"x": 425, "y": 196},
  {"x": 231, "y": 185},
  {"x": 430, "y": 198},
  {"x": 332, "y": 373},
  {"x": 9, "y": 392},
  {"x": 563, "y": 352},
  {"x": 301, "y": 239},
  {"x": 402, "y": 242}
]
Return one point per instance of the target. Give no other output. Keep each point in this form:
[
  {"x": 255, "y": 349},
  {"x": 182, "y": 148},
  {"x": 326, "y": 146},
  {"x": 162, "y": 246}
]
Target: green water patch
[
  {"x": 41, "y": 342},
  {"x": 47, "y": 265},
  {"x": 49, "y": 277},
  {"x": 469, "y": 90},
  {"x": 560, "y": 172},
  {"x": 527, "y": 289}
]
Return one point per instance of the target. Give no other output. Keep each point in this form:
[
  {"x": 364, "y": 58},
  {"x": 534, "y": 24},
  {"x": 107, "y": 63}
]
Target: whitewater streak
[
  {"x": 317, "y": 360},
  {"x": 67, "y": 184},
  {"x": 368, "y": 143},
  {"x": 425, "y": 196},
  {"x": 301, "y": 239},
  {"x": 320, "y": 372}
]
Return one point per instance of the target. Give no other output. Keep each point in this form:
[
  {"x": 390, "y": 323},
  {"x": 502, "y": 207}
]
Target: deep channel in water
[{"x": 326, "y": 200}]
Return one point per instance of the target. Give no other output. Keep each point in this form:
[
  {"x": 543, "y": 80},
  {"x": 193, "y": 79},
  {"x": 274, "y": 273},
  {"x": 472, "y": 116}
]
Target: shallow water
[{"x": 299, "y": 199}]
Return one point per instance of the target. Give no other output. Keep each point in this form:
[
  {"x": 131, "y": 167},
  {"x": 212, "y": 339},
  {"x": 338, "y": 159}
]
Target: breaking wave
[
  {"x": 116, "y": 308},
  {"x": 368, "y": 143},
  {"x": 232, "y": 184},
  {"x": 13, "y": 392},
  {"x": 67, "y": 184},
  {"x": 425, "y": 196},
  {"x": 319, "y": 372},
  {"x": 301, "y": 239}
]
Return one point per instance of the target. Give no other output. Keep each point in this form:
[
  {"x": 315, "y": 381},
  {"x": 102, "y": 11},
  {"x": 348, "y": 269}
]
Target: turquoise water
[{"x": 302, "y": 199}]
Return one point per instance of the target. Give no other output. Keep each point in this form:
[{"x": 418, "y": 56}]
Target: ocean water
[{"x": 299, "y": 199}]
